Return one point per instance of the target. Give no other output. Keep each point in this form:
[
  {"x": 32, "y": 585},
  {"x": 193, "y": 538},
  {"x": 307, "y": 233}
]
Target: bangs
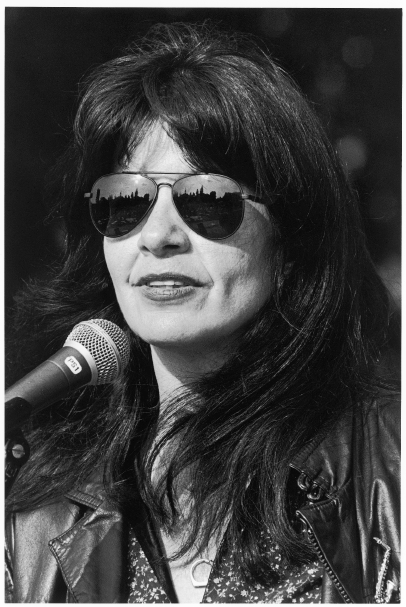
[{"x": 201, "y": 114}]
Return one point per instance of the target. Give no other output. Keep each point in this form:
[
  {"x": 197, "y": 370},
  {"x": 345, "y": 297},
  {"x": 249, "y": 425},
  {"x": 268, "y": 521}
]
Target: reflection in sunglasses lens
[
  {"x": 120, "y": 202},
  {"x": 210, "y": 205}
]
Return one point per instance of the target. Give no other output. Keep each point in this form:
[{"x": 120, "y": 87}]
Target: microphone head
[{"x": 104, "y": 345}]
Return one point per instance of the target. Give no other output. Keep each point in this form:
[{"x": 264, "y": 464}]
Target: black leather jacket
[{"x": 74, "y": 550}]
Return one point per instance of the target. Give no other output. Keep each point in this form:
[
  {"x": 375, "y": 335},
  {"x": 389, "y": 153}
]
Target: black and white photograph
[{"x": 202, "y": 304}]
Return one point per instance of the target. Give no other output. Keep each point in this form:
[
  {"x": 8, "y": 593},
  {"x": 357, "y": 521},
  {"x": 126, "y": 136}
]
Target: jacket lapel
[
  {"x": 35, "y": 571},
  {"x": 92, "y": 557},
  {"x": 332, "y": 518}
]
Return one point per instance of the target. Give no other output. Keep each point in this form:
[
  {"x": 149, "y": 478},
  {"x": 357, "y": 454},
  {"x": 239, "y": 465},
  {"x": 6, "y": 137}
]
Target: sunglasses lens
[
  {"x": 119, "y": 202},
  {"x": 211, "y": 205}
]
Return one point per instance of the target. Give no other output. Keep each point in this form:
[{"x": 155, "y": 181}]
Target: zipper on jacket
[{"x": 321, "y": 557}]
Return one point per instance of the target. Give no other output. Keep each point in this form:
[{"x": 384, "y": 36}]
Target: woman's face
[{"x": 175, "y": 288}]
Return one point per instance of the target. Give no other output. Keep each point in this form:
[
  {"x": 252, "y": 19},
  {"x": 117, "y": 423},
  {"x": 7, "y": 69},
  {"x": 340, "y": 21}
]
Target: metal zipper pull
[{"x": 382, "y": 595}]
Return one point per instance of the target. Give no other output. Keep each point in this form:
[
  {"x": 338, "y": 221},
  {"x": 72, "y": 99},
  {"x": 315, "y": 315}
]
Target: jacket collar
[
  {"x": 326, "y": 461},
  {"x": 92, "y": 554}
]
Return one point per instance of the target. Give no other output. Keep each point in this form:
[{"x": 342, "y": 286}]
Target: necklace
[{"x": 199, "y": 583}]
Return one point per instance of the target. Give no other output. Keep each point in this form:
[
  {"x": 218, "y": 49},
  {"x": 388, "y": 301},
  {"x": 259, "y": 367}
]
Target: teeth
[{"x": 165, "y": 283}]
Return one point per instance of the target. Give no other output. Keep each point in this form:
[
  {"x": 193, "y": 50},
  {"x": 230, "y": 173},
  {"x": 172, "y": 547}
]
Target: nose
[{"x": 163, "y": 233}]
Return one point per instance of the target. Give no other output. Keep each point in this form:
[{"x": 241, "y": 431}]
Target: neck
[{"x": 175, "y": 369}]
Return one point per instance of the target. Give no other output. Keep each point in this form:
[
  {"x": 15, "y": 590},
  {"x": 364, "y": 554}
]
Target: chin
[
  {"x": 168, "y": 337},
  {"x": 156, "y": 333}
]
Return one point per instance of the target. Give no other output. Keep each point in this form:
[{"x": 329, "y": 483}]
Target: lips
[
  {"x": 168, "y": 288},
  {"x": 167, "y": 280}
]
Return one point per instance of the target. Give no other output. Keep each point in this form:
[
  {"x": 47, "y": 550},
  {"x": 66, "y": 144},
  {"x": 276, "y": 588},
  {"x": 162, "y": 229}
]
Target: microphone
[{"x": 95, "y": 352}]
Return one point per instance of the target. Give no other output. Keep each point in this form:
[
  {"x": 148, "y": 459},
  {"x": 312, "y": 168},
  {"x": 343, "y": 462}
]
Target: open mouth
[
  {"x": 167, "y": 281},
  {"x": 168, "y": 288}
]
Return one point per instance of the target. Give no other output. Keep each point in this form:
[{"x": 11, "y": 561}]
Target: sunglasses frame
[{"x": 244, "y": 197}]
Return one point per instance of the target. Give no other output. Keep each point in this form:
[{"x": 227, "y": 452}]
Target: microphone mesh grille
[{"x": 96, "y": 336}]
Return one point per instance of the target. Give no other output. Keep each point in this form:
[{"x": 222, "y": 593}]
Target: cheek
[
  {"x": 117, "y": 260},
  {"x": 254, "y": 279},
  {"x": 244, "y": 277},
  {"x": 110, "y": 261},
  {"x": 255, "y": 249}
]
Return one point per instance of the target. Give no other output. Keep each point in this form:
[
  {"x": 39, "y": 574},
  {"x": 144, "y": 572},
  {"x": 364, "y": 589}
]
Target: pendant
[{"x": 193, "y": 566}]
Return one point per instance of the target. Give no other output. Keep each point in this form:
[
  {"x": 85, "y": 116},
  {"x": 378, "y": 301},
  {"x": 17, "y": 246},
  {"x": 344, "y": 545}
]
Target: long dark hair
[{"x": 307, "y": 355}]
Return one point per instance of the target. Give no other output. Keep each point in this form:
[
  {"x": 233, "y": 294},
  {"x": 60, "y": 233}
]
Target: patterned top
[{"x": 296, "y": 584}]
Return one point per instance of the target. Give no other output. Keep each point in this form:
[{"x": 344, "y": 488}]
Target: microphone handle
[{"x": 49, "y": 382}]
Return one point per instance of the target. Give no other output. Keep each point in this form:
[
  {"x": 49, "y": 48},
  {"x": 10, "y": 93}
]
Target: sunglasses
[{"x": 211, "y": 205}]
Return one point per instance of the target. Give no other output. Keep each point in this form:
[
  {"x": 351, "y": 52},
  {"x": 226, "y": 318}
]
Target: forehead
[{"x": 157, "y": 152}]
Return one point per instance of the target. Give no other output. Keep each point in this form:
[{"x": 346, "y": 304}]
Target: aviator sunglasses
[{"x": 211, "y": 205}]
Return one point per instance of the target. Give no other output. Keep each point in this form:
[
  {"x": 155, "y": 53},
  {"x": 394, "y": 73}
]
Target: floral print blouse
[{"x": 296, "y": 584}]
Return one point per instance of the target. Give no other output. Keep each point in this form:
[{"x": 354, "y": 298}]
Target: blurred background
[{"x": 347, "y": 61}]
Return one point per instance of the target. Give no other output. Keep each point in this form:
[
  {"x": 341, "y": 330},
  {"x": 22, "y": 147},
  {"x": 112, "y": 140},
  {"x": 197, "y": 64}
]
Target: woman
[{"x": 248, "y": 452}]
